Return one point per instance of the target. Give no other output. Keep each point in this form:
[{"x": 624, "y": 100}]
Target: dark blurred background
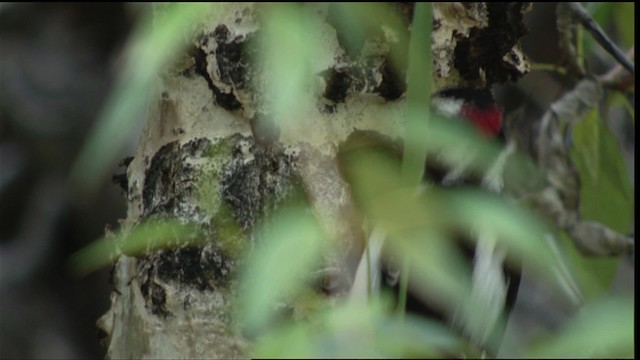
[{"x": 57, "y": 64}]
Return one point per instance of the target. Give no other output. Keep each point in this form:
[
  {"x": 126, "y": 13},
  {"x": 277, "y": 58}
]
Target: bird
[{"x": 494, "y": 282}]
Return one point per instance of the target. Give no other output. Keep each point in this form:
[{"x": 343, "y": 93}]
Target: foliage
[{"x": 385, "y": 189}]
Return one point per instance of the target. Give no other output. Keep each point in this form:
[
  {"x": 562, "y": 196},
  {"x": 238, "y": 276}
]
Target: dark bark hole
[
  {"x": 393, "y": 84},
  {"x": 227, "y": 101},
  {"x": 338, "y": 83},
  {"x": 156, "y": 298}
]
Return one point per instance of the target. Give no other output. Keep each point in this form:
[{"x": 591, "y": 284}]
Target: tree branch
[
  {"x": 617, "y": 78},
  {"x": 559, "y": 201},
  {"x": 599, "y": 35}
]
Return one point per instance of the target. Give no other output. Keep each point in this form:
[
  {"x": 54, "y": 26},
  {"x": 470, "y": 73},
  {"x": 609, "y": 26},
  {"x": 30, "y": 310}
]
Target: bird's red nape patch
[{"x": 488, "y": 120}]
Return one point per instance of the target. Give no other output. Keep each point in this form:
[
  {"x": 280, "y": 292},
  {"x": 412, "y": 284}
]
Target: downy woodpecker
[{"x": 494, "y": 285}]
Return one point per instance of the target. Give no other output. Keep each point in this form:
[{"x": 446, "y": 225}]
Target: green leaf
[
  {"x": 603, "y": 329},
  {"x": 614, "y": 15},
  {"x": 601, "y": 12},
  {"x": 152, "y": 46},
  {"x": 418, "y": 94},
  {"x": 145, "y": 237},
  {"x": 355, "y": 22},
  {"x": 516, "y": 228},
  {"x": 456, "y": 141},
  {"x": 288, "y": 247},
  {"x": 355, "y": 331},
  {"x": 608, "y": 199},
  {"x": 617, "y": 183},
  {"x": 439, "y": 272},
  {"x": 618, "y": 98},
  {"x": 593, "y": 274},
  {"x": 624, "y": 17},
  {"x": 586, "y": 137},
  {"x": 291, "y": 53}
]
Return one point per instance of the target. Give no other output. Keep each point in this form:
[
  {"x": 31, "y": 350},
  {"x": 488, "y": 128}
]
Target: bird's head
[{"x": 474, "y": 105}]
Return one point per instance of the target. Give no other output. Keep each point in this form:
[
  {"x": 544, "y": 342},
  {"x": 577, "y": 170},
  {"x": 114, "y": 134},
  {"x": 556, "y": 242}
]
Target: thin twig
[
  {"x": 599, "y": 35},
  {"x": 566, "y": 29},
  {"x": 617, "y": 78}
]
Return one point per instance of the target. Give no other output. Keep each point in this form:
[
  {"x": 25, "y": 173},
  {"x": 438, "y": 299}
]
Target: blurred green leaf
[
  {"x": 153, "y": 45},
  {"x": 607, "y": 199},
  {"x": 288, "y": 246},
  {"x": 95, "y": 255},
  {"x": 355, "y": 22},
  {"x": 456, "y": 142},
  {"x": 145, "y": 237},
  {"x": 516, "y": 228},
  {"x": 604, "y": 329},
  {"x": 417, "y": 337},
  {"x": 352, "y": 330},
  {"x": 418, "y": 94},
  {"x": 600, "y": 11},
  {"x": 412, "y": 221},
  {"x": 519, "y": 231},
  {"x": 289, "y": 48},
  {"x": 376, "y": 185},
  {"x": 618, "y": 21},
  {"x": 593, "y": 274},
  {"x": 439, "y": 272},
  {"x": 418, "y": 224},
  {"x": 624, "y": 17},
  {"x": 618, "y": 98},
  {"x": 586, "y": 137}
]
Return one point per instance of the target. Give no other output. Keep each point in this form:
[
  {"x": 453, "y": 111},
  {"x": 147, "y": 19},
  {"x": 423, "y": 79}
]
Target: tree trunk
[{"x": 210, "y": 155}]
